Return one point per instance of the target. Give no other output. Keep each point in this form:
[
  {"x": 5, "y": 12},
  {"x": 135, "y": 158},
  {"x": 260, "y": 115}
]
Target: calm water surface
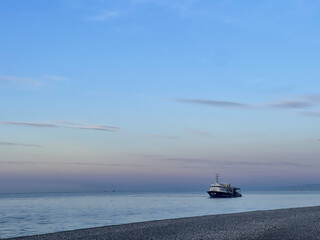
[{"x": 29, "y": 214}]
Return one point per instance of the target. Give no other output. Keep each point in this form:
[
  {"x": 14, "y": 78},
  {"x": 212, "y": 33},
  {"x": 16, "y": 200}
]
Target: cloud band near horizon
[
  {"x": 11, "y": 144},
  {"x": 71, "y": 125}
]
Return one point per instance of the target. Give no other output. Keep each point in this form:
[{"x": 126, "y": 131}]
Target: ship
[{"x": 219, "y": 190}]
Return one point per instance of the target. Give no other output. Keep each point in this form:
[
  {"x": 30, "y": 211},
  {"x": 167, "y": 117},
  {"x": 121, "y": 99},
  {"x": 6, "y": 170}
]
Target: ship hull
[{"x": 216, "y": 194}]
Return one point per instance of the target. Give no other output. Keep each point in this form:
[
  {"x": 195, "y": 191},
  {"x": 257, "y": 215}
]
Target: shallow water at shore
[{"x": 29, "y": 214}]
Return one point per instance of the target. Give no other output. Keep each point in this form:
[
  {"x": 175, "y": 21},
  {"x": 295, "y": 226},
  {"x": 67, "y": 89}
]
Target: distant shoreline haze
[{"x": 162, "y": 189}]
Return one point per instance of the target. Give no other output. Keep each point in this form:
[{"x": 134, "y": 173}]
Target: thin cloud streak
[
  {"x": 292, "y": 104},
  {"x": 189, "y": 160},
  {"x": 68, "y": 122},
  {"x": 229, "y": 163},
  {"x": 72, "y": 126},
  {"x": 84, "y": 125},
  {"x": 19, "y": 144},
  {"x": 98, "y": 128},
  {"x": 103, "y": 16},
  {"x": 311, "y": 114},
  {"x": 283, "y": 163},
  {"x": 200, "y": 133},
  {"x": 214, "y": 103},
  {"x": 56, "y": 78},
  {"x": 312, "y": 97},
  {"x": 73, "y": 163},
  {"x": 301, "y": 102},
  {"x": 304, "y": 102},
  {"x": 31, "y": 124},
  {"x": 184, "y": 8},
  {"x": 20, "y": 80},
  {"x": 31, "y": 81},
  {"x": 150, "y": 155}
]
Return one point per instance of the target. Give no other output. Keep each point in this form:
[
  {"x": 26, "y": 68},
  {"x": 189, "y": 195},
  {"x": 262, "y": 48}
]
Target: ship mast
[{"x": 217, "y": 178}]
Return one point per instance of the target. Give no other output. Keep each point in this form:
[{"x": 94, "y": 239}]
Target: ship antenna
[{"x": 217, "y": 178}]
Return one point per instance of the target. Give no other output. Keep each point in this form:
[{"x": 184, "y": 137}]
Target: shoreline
[{"x": 289, "y": 223}]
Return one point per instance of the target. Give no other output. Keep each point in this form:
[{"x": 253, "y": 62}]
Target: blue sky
[{"x": 158, "y": 94}]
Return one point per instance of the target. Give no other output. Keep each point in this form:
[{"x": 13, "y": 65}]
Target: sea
[{"x": 37, "y": 213}]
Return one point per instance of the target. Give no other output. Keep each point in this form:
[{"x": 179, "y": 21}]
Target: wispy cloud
[
  {"x": 312, "y": 97},
  {"x": 184, "y": 8},
  {"x": 301, "y": 102},
  {"x": 21, "y": 80},
  {"x": 72, "y": 125},
  {"x": 283, "y": 163},
  {"x": 162, "y": 136},
  {"x": 74, "y": 163},
  {"x": 55, "y": 78},
  {"x": 40, "y": 81},
  {"x": 31, "y": 124},
  {"x": 95, "y": 127},
  {"x": 206, "y": 162},
  {"x": 19, "y": 144},
  {"x": 105, "y": 15},
  {"x": 150, "y": 155},
  {"x": 68, "y": 122},
  {"x": 214, "y": 103},
  {"x": 311, "y": 113},
  {"x": 292, "y": 104},
  {"x": 189, "y": 160}
]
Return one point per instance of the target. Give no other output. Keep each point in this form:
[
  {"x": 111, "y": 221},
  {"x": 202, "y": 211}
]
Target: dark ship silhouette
[{"x": 219, "y": 190}]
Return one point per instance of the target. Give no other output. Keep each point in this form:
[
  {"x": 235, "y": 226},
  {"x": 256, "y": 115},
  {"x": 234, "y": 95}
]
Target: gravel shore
[{"x": 292, "y": 223}]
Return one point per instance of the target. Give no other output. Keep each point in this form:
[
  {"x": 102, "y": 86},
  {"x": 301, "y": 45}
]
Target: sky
[{"x": 158, "y": 95}]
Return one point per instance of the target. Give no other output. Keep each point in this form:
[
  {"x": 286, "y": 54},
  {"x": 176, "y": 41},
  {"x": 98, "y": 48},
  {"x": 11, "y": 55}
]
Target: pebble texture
[{"x": 293, "y": 223}]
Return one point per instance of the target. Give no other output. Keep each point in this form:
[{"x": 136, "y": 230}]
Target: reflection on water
[{"x": 29, "y": 214}]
